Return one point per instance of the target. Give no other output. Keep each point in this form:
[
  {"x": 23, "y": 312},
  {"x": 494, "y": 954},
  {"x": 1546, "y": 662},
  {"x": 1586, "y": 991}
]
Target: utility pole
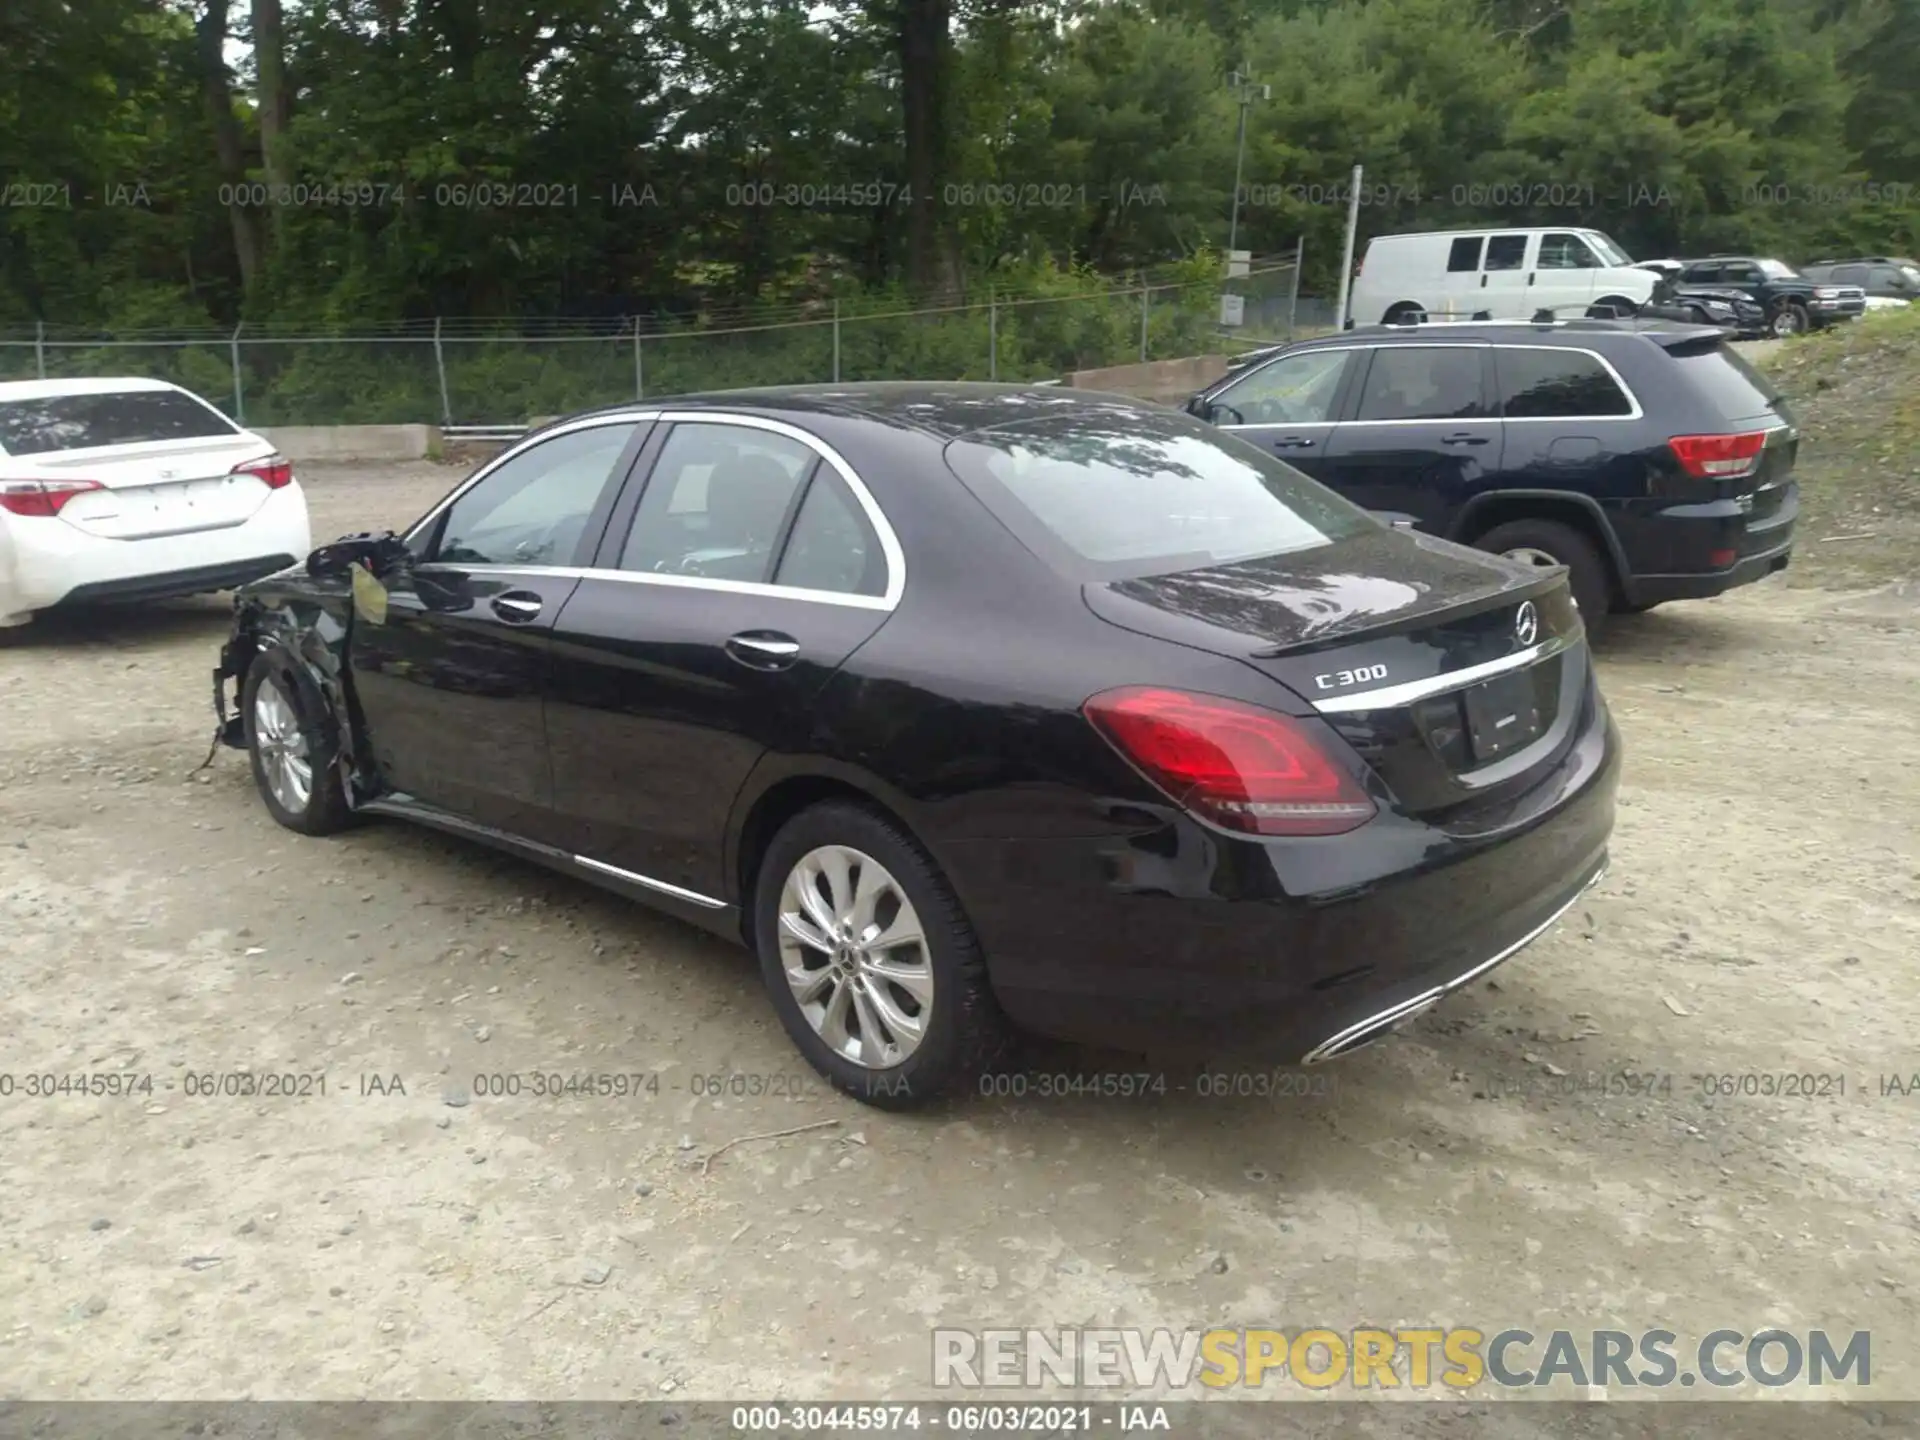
[{"x": 1243, "y": 86}]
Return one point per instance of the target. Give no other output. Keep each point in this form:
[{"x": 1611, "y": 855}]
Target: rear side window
[
  {"x": 1507, "y": 252},
  {"x": 1849, "y": 275},
  {"x": 1413, "y": 382},
  {"x": 125, "y": 417},
  {"x": 1728, "y": 383},
  {"x": 1121, "y": 497},
  {"x": 1465, "y": 254},
  {"x": 1557, "y": 384}
]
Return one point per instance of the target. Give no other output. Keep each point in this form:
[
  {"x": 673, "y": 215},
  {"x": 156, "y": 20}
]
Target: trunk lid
[
  {"x": 173, "y": 487},
  {"x": 1456, "y": 675}
]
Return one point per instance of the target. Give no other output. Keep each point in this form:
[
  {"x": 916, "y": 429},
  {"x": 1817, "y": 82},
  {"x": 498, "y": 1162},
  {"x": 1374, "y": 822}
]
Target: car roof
[
  {"x": 1488, "y": 230},
  {"x": 1571, "y": 333},
  {"x": 97, "y": 385},
  {"x": 942, "y": 409}
]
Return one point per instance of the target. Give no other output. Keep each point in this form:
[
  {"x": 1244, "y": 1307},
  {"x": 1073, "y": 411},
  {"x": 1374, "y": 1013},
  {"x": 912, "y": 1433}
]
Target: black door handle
[
  {"x": 517, "y": 607},
  {"x": 1483, "y": 282},
  {"x": 1529, "y": 277},
  {"x": 1463, "y": 438},
  {"x": 763, "y": 649},
  {"x": 1293, "y": 442}
]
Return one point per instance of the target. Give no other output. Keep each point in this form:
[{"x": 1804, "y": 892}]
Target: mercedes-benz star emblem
[{"x": 1526, "y": 623}]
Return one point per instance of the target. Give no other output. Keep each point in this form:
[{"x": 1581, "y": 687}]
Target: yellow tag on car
[{"x": 369, "y": 596}]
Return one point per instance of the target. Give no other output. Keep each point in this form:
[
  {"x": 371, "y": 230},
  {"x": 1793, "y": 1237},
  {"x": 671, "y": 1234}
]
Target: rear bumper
[
  {"x": 1671, "y": 549},
  {"x": 45, "y": 562},
  {"x": 1187, "y": 942}
]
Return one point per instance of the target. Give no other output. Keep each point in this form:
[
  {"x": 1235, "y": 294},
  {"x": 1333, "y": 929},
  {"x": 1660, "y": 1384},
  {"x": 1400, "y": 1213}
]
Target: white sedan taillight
[
  {"x": 41, "y": 498},
  {"x": 276, "y": 470}
]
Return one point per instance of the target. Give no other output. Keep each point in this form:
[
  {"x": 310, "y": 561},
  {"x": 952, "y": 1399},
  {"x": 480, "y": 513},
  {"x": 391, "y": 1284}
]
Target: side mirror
[
  {"x": 1200, "y": 408},
  {"x": 382, "y": 553}
]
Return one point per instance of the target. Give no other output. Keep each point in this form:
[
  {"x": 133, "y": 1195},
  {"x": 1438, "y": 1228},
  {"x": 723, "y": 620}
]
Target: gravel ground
[{"x": 403, "y": 1237}]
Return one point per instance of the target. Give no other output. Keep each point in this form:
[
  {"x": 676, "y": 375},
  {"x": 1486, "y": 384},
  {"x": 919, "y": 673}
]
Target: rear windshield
[
  {"x": 1729, "y": 383},
  {"x": 125, "y": 417},
  {"x": 1121, "y": 496}
]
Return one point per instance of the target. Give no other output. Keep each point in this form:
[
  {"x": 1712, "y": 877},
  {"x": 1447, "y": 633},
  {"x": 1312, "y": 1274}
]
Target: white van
[{"x": 1505, "y": 274}]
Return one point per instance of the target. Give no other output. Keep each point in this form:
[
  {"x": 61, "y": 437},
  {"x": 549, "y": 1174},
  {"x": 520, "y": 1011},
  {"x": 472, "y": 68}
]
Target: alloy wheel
[
  {"x": 855, "y": 956},
  {"x": 283, "y": 748}
]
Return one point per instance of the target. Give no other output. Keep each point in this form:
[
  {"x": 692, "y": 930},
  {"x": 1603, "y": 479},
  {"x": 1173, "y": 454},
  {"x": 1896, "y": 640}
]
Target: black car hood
[{"x": 1378, "y": 583}]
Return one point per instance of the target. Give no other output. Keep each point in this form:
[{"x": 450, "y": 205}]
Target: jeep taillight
[{"x": 1719, "y": 457}]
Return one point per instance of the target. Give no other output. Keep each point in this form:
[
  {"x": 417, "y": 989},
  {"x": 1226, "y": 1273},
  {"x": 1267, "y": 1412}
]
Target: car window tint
[
  {"x": 1293, "y": 390},
  {"x": 1702, "y": 274},
  {"x": 1537, "y": 384},
  {"x": 1412, "y": 382},
  {"x": 122, "y": 417},
  {"x": 1726, "y": 380},
  {"x": 1566, "y": 252},
  {"x": 1465, "y": 254},
  {"x": 1849, "y": 275},
  {"x": 716, "y": 502},
  {"x": 1104, "y": 497},
  {"x": 533, "y": 509},
  {"x": 1506, "y": 252},
  {"x": 832, "y": 546}
]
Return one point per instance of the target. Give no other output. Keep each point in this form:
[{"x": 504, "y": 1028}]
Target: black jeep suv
[
  {"x": 1793, "y": 303},
  {"x": 1647, "y": 457}
]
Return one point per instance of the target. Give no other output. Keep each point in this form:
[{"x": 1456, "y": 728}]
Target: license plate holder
[{"x": 1503, "y": 715}]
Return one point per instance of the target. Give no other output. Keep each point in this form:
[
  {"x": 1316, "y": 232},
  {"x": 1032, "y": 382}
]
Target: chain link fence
[{"x": 478, "y": 372}]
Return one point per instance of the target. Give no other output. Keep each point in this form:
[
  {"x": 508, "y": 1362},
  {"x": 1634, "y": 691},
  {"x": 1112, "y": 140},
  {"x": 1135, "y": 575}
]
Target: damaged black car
[{"x": 969, "y": 709}]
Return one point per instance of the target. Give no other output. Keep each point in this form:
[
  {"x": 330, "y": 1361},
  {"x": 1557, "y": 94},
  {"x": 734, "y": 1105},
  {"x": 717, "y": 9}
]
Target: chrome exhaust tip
[{"x": 1373, "y": 1028}]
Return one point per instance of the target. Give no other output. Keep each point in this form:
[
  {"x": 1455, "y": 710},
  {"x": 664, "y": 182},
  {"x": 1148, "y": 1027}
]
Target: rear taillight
[
  {"x": 1237, "y": 765},
  {"x": 41, "y": 497},
  {"x": 276, "y": 470},
  {"x": 1719, "y": 457}
]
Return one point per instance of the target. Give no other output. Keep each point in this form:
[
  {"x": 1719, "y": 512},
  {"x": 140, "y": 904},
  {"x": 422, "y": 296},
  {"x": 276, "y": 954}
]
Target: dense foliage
[{"x": 293, "y": 163}]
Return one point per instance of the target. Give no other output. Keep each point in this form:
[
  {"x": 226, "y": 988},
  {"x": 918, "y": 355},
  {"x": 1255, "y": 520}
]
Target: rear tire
[
  {"x": 896, "y": 1023},
  {"x": 1612, "y": 307},
  {"x": 1548, "y": 542},
  {"x": 1406, "y": 312},
  {"x": 294, "y": 763}
]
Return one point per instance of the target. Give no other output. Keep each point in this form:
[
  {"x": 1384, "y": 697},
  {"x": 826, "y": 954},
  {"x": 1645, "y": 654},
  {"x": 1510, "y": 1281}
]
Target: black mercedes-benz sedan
[{"x": 967, "y": 708}]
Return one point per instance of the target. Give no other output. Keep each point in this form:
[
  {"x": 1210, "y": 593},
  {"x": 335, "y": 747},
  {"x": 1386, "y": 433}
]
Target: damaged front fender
[{"x": 303, "y": 624}]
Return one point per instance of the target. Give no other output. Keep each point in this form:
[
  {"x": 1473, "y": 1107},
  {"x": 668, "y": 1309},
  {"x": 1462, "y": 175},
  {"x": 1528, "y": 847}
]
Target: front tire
[
  {"x": 871, "y": 964},
  {"x": 1547, "y": 543},
  {"x": 1789, "y": 318},
  {"x": 293, "y": 759}
]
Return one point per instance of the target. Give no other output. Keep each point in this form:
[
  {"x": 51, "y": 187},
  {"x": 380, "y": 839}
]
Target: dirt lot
[{"x": 1762, "y": 917}]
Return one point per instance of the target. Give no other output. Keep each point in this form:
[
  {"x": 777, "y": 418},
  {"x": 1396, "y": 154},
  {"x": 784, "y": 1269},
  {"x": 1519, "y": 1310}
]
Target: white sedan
[{"x": 126, "y": 489}]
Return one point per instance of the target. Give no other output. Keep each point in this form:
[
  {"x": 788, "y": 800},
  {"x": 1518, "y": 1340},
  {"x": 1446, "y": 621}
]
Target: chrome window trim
[
  {"x": 1394, "y": 696},
  {"x": 683, "y": 582},
  {"x": 896, "y": 559}
]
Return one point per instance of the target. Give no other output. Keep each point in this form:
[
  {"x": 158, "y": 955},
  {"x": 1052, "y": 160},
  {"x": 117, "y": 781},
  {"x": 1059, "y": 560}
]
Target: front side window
[
  {"x": 717, "y": 503},
  {"x": 1558, "y": 384},
  {"x": 1566, "y": 252},
  {"x": 1293, "y": 390},
  {"x": 1131, "y": 496},
  {"x": 1414, "y": 382},
  {"x": 1507, "y": 252},
  {"x": 533, "y": 508},
  {"x": 120, "y": 417}
]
